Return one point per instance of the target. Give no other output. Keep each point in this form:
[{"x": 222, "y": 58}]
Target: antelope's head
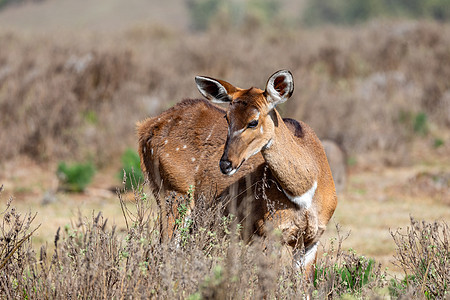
[{"x": 251, "y": 126}]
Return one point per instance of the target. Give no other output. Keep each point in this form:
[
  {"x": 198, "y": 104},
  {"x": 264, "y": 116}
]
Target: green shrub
[
  {"x": 438, "y": 142},
  {"x": 423, "y": 253},
  {"x": 354, "y": 11},
  {"x": 131, "y": 169},
  {"x": 233, "y": 13},
  {"x": 421, "y": 123},
  {"x": 202, "y": 11},
  {"x": 353, "y": 273},
  {"x": 75, "y": 177}
]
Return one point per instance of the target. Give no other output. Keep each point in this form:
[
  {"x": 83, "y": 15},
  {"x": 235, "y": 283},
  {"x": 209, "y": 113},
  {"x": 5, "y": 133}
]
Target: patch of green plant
[
  {"x": 352, "y": 161},
  {"x": 91, "y": 117},
  {"x": 421, "y": 123},
  {"x": 438, "y": 142},
  {"x": 184, "y": 222},
  {"x": 131, "y": 169},
  {"x": 353, "y": 274},
  {"x": 356, "y": 11},
  {"x": 75, "y": 177},
  {"x": 399, "y": 287},
  {"x": 202, "y": 12}
]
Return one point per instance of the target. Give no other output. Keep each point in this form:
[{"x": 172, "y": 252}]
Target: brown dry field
[{"x": 395, "y": 173}]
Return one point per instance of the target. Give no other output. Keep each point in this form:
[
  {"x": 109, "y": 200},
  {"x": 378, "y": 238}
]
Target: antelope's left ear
[
  {"x": 279, "y": 87},
  {"x": 215, "y": 90}
]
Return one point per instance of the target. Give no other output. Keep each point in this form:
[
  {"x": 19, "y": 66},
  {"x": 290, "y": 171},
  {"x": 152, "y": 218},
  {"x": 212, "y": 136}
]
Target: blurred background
[{"x": 370, "y": 75}]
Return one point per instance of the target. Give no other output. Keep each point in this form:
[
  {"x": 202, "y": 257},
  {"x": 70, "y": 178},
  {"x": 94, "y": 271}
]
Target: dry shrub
[
  {"x": 207, "y": 261},
  {"x": 430, "y": 184},
  {"x": 15, "y": 246},
  {"x": 423, "y": 253},
  {"x": 340, "y": 272},
  {"x": 94, "y": 260},
  {"x": 80, "y": 94},
  {"x": 54, "y": 104}
]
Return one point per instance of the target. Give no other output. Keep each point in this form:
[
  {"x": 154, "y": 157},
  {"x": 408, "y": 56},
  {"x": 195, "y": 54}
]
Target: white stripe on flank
[{"x": 305, "y": 200}]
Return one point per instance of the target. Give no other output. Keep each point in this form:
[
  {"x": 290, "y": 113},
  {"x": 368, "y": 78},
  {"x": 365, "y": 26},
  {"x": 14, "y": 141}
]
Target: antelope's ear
[
  {"x": 217, "y": 91},
  {"x": 279, "y": 87}
]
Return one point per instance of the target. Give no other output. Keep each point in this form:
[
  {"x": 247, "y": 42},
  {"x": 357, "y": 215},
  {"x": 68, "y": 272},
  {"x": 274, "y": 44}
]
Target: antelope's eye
[{"x": 252, "y": 124}]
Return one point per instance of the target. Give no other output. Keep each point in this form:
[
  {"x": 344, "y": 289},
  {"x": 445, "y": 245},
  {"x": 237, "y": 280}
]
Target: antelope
[{"x": 222, "y": 152}]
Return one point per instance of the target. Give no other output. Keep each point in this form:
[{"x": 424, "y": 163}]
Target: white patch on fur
[
  {"x": 176, "y": 149},
  {"x": 238, "y": 132},
  {"x": 167, "y": 154},
  {"x": 232, "y": 172},
  {"x": 305, "y": 200},
  {"x": 144, "y": 149},
  {"x": 261, "y": 129},
  {"x": 305, "y": 260},
  {"x": 184, "y": 147},
  {"x": 310, "y": 254},
  {"x": 256, "y": 152},
  {"x": 151, "y": 151},
  {"x": 210, "y": 133},
  {"x": 193, "y": 159},
  {"x": 267, "y": 146},
  {"x": 165, "y": 142}
]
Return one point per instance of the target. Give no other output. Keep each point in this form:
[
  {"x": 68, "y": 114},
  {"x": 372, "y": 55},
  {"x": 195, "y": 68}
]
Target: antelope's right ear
[
  {"x": 279, "y": 87},
  {"x": 215, "y": 90}
]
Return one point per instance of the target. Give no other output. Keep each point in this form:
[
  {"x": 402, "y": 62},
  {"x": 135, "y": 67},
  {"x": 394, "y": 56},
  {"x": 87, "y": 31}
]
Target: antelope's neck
[{"x": 292, "y": 164}]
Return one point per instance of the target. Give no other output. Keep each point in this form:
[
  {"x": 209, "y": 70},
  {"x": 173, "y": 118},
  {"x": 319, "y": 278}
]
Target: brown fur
[{"x": 188, "y": 141}]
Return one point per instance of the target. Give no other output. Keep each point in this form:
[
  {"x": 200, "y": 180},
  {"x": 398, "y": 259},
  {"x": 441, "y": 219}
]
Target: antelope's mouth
[{"x": 235, "y": 169}]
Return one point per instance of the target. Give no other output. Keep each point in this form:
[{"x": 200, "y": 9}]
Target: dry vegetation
[
  {"x": 381, "y": 91},
  {"x": 80, "y": 94},
  {"x": 208, "y": 261}
]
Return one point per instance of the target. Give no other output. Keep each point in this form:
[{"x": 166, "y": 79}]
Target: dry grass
[
  {"x": 91, "y": 259},
  {"x": 81, "y": 94}
]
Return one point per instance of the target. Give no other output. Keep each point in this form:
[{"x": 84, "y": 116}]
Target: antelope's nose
[{"x": 225, "y": 166}]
